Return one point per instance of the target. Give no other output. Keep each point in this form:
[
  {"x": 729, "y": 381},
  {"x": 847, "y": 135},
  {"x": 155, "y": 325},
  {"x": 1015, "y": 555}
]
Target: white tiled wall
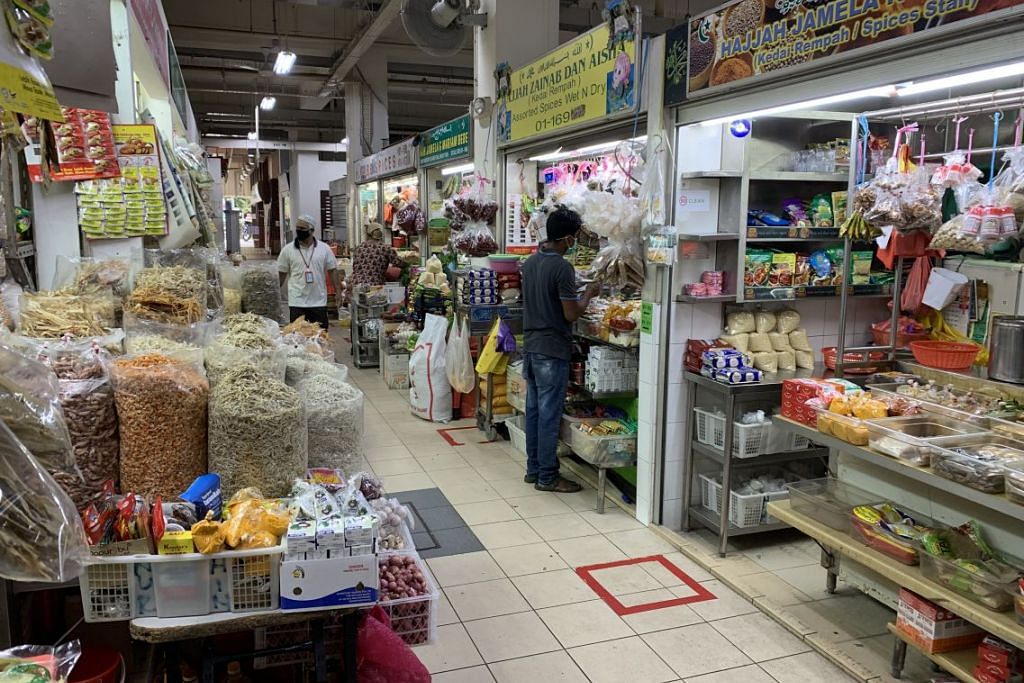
[{"x": 704, "y": 321}]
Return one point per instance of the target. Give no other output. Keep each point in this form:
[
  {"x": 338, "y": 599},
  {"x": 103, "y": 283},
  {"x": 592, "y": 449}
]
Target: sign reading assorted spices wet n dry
[{"x": 748, "y": 38}]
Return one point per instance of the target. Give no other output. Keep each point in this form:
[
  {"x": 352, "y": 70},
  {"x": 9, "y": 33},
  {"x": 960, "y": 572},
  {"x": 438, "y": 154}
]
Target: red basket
[
  {"x": 903, "y": 339},
  {"x": 945, "y": 355},
  {"x": 829, "y": 352}
]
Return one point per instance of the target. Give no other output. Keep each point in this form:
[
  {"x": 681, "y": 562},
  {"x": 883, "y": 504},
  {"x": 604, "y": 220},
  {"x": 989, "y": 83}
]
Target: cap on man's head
[
  {"x": 375, "y": 231},
  {"x": 306, "y": 222},
  {"x": 563, "y": 222}
]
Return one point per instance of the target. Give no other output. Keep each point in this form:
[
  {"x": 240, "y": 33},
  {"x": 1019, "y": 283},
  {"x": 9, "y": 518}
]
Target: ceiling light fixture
[
  {"x": 972, "y": 77},
  {"x": 883, "y": 91},
  {"x": 251, "y": 135},
  {"x": 344, "y": 140},
  {"x": 268, "y": 103},
  {"x": 551, "y": 156},
  {"x": 284, "y": 62},
  {"x": 461, "y": 168}
]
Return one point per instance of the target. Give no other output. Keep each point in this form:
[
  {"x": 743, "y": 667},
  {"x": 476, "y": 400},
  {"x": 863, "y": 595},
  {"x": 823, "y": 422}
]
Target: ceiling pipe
[{"x": 387, "y": 14}]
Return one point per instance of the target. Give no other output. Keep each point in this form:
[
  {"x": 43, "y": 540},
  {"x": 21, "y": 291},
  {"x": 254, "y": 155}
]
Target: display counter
[{"x": 938, "y": 502}]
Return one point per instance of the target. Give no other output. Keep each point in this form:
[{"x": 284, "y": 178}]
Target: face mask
[{"x": 302, "y": 235}]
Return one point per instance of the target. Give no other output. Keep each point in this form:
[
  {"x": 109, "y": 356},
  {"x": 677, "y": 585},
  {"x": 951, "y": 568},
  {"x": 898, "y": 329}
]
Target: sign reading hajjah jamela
[
  {"x": 589, "y": 78},
  {"x": 748, "y": 38},
  {"x": 446, "y": 142}
]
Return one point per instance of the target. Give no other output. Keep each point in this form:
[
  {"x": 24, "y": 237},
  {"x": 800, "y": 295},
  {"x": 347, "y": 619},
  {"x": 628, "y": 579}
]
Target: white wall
[{"x": 308, "y": 177}]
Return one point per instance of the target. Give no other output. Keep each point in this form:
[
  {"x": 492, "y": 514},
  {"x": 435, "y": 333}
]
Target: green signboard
[
  {"x": 646, "y": 317},
  {"x": 447, "y": 142}
]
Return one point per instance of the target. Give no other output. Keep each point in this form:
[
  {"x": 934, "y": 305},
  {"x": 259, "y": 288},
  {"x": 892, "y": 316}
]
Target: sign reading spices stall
[
  {"x": 388, "y": 161},
  {"x": 749, "y": 38},
  {"x": 587, "y": 79},
  {"x": 446, "y": 142}
]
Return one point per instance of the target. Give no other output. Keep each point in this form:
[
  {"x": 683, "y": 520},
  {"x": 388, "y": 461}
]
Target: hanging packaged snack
[
  {"x": 620, "y": 264},
  {"x": 30, "y": 28}
]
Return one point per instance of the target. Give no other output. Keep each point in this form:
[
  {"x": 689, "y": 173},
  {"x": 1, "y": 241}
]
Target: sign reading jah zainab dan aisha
[
  {"x": 582, "y": 81},
  {"x": 748, "y": 38}
]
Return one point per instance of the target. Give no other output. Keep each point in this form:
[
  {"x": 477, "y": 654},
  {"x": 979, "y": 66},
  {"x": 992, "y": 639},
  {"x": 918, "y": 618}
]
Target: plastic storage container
[
  {"x": 991, "y": 594},
  {"x": 415, "y": 619},
  {"x": 885, "y": 541},
  {"x": 1014, "y": 478},
  {"x": 517, "y": 432},
  {"x": 828, "y": 501},
  {"x": 849, "y": 429},
  {"x": 911, "y": 438},
  {"x": 745, "y": 510},
  {"x": 566, "y": 429},
  {"x": 604, "y": 451},
  {"x": 748, "y": 441},
  {"x": 126, "y": 587},
  {"x": 976, "y": 460}
]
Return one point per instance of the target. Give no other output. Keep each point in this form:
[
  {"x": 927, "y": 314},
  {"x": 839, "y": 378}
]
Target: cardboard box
[
  {"x": 995, "y": 652},
  {"x": 993, "y": 672},
  {"x": 339, "y": 581},
  {"x": 932, "y": 628}
]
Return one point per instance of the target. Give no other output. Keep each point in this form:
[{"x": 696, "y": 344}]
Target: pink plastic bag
[{"x": 383, "y": 655}]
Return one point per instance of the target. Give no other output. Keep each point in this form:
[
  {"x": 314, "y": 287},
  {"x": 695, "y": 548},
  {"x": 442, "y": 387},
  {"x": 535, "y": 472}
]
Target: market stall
[
  {"x": 595, "y": 161},
  {"x": 446, "y": 163}
]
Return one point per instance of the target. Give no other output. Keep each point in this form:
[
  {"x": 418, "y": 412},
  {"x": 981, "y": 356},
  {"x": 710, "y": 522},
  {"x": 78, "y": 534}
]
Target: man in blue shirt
[{"x": 551, "y": 303}]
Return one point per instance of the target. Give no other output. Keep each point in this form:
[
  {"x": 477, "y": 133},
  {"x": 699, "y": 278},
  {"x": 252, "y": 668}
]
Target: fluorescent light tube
[
  {"x": 970, "y": 78},
  {"x": 284, "y": 62},
  {"x": 551, "y": 156},
  {"x": 452, "y": 170},
  {"x": 268, "y": 103},
  {"x": 883, "y": 91},
  {"x": 252, "y": 135}
]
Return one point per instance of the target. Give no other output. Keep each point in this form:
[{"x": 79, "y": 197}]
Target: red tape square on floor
[
  {"x": 444, "y": 432},
  {"x": 700, "y": 593}
]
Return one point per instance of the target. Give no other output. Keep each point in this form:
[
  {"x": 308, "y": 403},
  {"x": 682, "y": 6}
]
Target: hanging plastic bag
[
  {"x": 430, "y": 395},
  {"x": 475, "y": 239},
  {"x": 506, "y": 342},
  {"x": 620, "y": 263},
  {"x": 652, "y": 194},
  {"x": 41, "y": 533},
  {"x": 917, "y": 282},
  {"x": 491, "y": 360},
  {"x": 459, "y": 360}
]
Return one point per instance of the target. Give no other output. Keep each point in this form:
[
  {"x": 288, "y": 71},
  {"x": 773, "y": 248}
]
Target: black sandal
[{"x": 560, "y": 485}]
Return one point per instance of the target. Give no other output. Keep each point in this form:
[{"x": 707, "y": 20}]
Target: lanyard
[{"x": 303, "y": 256}]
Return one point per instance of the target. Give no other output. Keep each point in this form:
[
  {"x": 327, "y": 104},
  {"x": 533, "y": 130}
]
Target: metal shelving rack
[
  {"x": 736, "y": 398},
  {"x": 365, "y": 350}
]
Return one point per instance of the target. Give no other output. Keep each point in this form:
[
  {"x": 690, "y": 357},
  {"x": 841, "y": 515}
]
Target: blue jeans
[{"x": 547, "y": 379}]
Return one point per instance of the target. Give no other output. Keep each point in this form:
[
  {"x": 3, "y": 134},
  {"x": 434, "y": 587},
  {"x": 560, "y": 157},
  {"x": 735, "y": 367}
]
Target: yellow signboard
[
  {"x": 583, "y": 81},
  {"x": 22, "y": 92}
]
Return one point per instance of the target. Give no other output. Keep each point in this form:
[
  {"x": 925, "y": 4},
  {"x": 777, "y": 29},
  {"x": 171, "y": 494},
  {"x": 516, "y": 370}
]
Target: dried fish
[
  {"x": 258, "y": 433},
  {"x": 335, "y": 411},
  {"x": 261, "y": 292},
  {"x": 51, "y": 315}
]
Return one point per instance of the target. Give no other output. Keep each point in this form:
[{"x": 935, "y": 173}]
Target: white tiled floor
[{"x": 518, "y": 612}]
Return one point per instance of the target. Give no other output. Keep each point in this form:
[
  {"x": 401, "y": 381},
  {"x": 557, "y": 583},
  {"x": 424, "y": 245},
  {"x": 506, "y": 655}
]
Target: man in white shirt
[{"x": 305, "y": 264}]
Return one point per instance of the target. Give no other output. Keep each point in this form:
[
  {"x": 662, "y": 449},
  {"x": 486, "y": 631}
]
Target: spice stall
[
  {"x": 386, "y": 182},
  {"x": 593, "y": 160}
]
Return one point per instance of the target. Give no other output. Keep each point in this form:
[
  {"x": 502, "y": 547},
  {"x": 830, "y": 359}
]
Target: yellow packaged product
[
  {"x": 208, "y": 535},
  {"x": 870, "y": 409}
]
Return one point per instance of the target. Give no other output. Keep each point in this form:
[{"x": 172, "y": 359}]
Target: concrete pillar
[
  {"x": 366, "y": 123},
  {"x": 517, "y": 33}
]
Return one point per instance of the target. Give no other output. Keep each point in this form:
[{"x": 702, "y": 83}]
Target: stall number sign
[
  {"x": 446, "y": 142},
  {"x": 582, "y": 81},
  {"x": 389, "y": 161}
]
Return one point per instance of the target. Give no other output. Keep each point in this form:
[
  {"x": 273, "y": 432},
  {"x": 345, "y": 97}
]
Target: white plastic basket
[
  {"x": 415, "y": 619},
  {"x": 118, "y": 588},
  {"x": 744, "y": 510},
  {"x": 517, "y": 432},
  {"x": 748, "y": 441}
]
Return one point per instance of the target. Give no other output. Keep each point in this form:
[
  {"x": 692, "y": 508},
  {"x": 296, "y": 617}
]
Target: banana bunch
[
  {"x": 940, "y": 330},
  {"x": 856, "y": 228}
]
